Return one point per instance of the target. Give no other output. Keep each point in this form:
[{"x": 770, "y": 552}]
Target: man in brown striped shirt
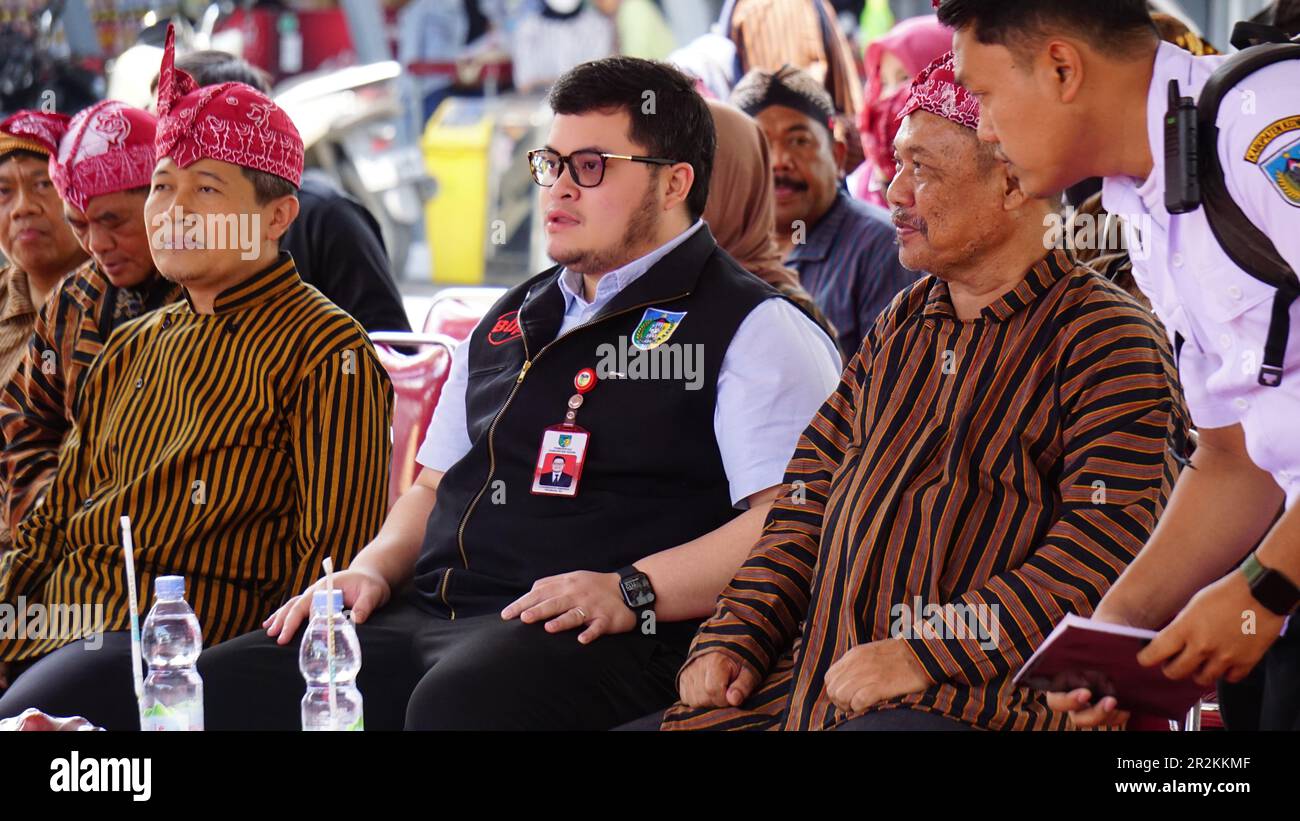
[
  {"x": 102, "y": 174},
  {"x": 993, "y": 458},
  {"x": 244, "y": 430}
]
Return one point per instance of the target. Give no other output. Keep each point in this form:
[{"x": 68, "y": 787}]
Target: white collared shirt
[
  {"x": 1222, "y": 312},
  {"x": 779, "y": 369}
]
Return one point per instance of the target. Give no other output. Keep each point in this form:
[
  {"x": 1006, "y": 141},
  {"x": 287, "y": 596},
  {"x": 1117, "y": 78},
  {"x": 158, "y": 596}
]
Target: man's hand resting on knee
[
  {"x": 714, "y": 680},
  {"x": 364, "y": 592}
]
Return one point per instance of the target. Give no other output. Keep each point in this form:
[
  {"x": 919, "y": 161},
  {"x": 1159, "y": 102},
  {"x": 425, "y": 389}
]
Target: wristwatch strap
[
  {"x": 1270, "y": 587},
  {"x": 623, "y": 575}
]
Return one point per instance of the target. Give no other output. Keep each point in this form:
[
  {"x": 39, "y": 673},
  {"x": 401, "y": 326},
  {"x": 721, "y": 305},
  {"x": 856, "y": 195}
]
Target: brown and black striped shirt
[
  {"x": 39, "y": 403},
  {"x": 246, "y": 446},
  {"x": 1017, "y": 460}
]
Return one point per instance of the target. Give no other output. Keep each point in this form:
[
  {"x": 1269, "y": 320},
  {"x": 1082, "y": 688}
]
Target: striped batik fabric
[
  {"x": 246, "y": 446},
  {"x": 17, "y": 315},
  {"x": 770, "y": 34},
  {"x": 39, "y": 404},
  {"x": 1016, "y": 460}
]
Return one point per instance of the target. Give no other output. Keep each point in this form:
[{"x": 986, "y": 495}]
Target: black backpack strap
[
  {"x": 1179, "y": 443},
  {"x": 1279, "y": 331},
  {"x": 1243, "y": 241}
]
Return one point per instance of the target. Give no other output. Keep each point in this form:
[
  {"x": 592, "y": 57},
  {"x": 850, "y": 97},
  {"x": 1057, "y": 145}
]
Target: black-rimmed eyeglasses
[{"x": 586, "y": 168}]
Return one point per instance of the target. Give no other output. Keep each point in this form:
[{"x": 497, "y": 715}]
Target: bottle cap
[
  {"x": 320, "y": 603},
  {"x": 169, "y": 587}
]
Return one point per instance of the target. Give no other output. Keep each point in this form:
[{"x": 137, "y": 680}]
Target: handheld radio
[{"x": 1182, "y": 176}]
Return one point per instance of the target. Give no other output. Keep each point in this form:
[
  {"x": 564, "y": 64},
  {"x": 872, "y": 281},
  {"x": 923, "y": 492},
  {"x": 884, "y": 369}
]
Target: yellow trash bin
[{"x": 455, "y": 146}]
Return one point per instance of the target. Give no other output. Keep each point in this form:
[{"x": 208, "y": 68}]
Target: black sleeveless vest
[{"x": 653, "y": 476}]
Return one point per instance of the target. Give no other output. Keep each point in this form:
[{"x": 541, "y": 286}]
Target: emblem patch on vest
[
  {"x": 505, "y": 329},
  {"x": 1281, "y": 165},
  {"x": 655, "y": 327}
]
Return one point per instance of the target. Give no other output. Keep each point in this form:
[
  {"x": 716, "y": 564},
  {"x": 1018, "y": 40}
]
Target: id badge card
[{"x": 559, "y": 460}]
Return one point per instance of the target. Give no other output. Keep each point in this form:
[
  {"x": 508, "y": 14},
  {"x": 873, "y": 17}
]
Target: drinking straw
[
  {"x": 128, "y": 548},
  {"x": 329, "y": 630}
]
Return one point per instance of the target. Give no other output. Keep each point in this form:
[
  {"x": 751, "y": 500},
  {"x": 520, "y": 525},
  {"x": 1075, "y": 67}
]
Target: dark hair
[
  {"x": 668, "y": 116},
  {"x": 1114, "y": 27},
  {"x": 210, "y": 68},
  {"x": 790, "y": 86},
  {"x": 267, "y": 186},
  {"x": 23, "y": 154}
]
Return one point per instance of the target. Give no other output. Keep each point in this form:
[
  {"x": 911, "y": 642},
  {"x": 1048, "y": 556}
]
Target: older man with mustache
[
  {"x": 842, "y": 249},
  {"x": 36, "y": 242},
  {"x": 38, "y": 245},
  {"x": 992, "y": 460}
]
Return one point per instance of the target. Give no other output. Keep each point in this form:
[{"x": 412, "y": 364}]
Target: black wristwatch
[
  {"x": 1270, "y": 588},
  {"x": 638, "y": 594}
]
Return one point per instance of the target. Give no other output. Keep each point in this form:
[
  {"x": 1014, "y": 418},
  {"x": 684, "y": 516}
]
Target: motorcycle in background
[
  {"x": 39, "y": 73},
  {"x": 350, "y": 120}
]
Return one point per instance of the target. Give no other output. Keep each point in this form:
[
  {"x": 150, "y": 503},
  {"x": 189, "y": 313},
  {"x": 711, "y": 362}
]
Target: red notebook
[{"x": 1103, "y": 657}]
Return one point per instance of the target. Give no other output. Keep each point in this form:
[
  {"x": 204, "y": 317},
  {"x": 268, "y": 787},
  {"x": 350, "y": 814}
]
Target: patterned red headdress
[
  {"x": 28, "y": 130},
  {"x": 936, "y": 90},
  {"x": 231, "y": 122},
  {"x": 108, "y": 148}
]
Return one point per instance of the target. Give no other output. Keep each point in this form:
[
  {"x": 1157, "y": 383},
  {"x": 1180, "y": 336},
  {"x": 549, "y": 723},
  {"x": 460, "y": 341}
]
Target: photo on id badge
[{"x": 559, "y": 461}]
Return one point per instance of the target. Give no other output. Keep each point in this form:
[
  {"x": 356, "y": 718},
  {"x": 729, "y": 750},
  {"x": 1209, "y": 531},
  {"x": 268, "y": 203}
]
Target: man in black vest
[{"x": 669, "y": 383}]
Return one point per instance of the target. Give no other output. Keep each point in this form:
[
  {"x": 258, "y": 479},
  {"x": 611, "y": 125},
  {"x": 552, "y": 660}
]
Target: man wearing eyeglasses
[{"x": 493, "y": 599}]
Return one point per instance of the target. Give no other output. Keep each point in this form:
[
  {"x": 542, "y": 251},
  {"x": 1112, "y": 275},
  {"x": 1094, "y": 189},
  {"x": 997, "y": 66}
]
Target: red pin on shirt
[{"x": 585, "y": 380}]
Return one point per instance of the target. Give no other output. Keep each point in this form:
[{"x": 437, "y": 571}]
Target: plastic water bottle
[
  {"x": 315, "y": 659},
  {"x": 172, "y": 640}
]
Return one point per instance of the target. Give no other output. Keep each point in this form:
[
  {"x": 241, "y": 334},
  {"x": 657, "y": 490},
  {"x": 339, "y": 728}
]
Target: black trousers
[
  {"x": 85, "y": 679},
  {"x": 421, "y": 672},
  {"x": 902, "y": 718},
  {"x": 1269, "y": 697}
]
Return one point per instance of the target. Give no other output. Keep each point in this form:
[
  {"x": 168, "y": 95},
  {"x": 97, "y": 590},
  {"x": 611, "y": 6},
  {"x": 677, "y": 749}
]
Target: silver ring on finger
[{"x": 582, "y": 613}]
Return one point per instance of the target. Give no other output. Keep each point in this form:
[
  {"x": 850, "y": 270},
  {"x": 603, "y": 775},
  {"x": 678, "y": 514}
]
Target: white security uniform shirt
[{"x": 1221, "y": 311}]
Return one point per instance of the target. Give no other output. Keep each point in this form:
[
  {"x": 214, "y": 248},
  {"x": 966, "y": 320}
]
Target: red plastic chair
[
  {"x": 417, "y": 385},
  {"x": 455, "y": 311},
  {"x": 1205, "y": 715}
]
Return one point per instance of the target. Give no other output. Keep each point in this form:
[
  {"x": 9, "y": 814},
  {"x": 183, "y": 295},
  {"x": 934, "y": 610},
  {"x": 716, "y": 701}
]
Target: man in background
[{"x": 843, "y": 249}]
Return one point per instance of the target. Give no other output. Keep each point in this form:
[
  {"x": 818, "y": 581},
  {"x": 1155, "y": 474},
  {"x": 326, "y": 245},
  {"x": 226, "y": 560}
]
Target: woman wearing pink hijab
[{"x": 890, "y": 64}]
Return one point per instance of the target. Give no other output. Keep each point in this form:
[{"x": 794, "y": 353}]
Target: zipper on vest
[
  {"x": 446, "y": 577},
  {"x": 523, "y": 371}
]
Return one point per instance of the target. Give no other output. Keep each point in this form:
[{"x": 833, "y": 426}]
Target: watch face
[{"x": 637, "y": 591}]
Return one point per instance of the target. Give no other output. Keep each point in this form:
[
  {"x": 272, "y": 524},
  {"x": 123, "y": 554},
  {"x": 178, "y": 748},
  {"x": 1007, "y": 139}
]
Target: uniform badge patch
[
  {"x": 505, "y": 329},
  {"x": 1276, "y": 150},
  {"x": 655, "y": 327}
]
